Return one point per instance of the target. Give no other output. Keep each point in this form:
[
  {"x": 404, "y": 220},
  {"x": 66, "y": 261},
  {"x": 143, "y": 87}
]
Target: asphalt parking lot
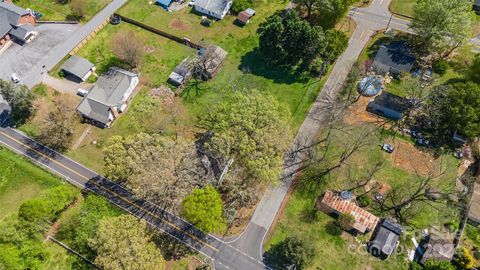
[{"x": 20, "y": 59}]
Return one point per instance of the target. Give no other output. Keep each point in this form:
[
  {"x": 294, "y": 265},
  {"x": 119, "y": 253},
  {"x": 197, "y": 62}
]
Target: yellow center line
[{"x": 112, "y": 192}]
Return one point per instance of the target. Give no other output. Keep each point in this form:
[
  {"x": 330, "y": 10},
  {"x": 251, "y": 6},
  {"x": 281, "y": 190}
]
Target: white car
[
  {"x": 15, "y": 78},
  {"x": 82, "y": 92}
]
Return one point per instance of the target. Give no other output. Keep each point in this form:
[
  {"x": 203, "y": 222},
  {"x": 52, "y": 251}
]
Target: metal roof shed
[{"x": 164, "y": 3}]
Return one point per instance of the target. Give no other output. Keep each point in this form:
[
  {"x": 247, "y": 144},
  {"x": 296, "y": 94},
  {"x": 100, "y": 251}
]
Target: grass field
[
  {"x": 53, "y": 10},
  {"x": 243, "y": 69},
  {"x": 20, "y": 180},
  {"x": 300, "y": 218},
  {"x": 402, "y": 7}
]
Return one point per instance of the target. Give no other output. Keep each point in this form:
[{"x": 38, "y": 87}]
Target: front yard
[{"x": 57, "y": 10}]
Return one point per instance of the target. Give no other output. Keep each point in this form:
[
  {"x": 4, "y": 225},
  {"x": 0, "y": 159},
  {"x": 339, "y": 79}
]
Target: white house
[{"x": 213, "y": 8}]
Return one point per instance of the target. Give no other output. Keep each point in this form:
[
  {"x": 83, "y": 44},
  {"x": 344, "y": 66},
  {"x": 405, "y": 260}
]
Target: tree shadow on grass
[{"x": 252, "y": 62}]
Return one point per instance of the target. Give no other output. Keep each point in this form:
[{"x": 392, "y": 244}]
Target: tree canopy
[
  {"x": 250, "y": 128},
  {"x": 125, "y": 243},
  {"x": 20, "y": 100},
  {"x": 286, "y": 39},
  {"x": 203, "y": 208},
  {"x": 291, "y": 253},
  {"x": 442, "y": 25},
  {"x": 456, "y": 107},
  {"x": 155, "y": 167}
]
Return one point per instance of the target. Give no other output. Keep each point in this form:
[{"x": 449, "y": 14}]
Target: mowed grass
[
  {"x": 403, "y": 7},
  {"x": 53, "y": 10},
  {"x": 20, "y": 180},
  {"x": 346, "y": 252},
  {"x": 243, "y": 69}
]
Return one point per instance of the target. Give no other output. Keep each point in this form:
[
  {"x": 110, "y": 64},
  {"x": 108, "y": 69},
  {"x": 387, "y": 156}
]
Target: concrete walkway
[{"x": 369, "y": 20}]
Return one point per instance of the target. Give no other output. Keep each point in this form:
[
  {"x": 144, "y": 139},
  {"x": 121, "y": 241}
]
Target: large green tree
[
  {"x": 455, "y": 107},
  {"x": 252, "y": 129},
  {"x": 204, "y": 207},
  {"x": 156, "y": 167},
  {"x": 291, "y": 253},
  {"x": 20, "y": 100},
  {"x": 288, "y": 40},
  {"x": 124, "y": 243},
  {"x": 329, "y": 12},
  {"x": 442, "y": 25}
]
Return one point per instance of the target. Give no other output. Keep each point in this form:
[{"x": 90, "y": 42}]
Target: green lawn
[
  {"x": 342, "y": 252},
  {"x": 20, "y": 180},
  {"x": 56, "y": 11},
  {"x": 242, "y": 69},
  {"x": 402, "y": 7}
]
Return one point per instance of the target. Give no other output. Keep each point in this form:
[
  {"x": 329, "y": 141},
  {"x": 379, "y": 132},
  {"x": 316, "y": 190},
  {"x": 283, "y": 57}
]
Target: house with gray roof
[
  {"x": 15, "y": 23},
  {"x": 78, "y": 67},
  {"x": 213, "y": 8},
  {"x": 109, "y": 97}
]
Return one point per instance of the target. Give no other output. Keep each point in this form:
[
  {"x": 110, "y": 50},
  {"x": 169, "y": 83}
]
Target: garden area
[{"x": 64, "y": 10}]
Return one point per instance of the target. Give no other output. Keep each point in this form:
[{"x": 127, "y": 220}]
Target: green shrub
[
  {"x": 364, "y": 201},
  {"x": 48, "y": 206},
  {"x": 345, "y": 221},
  {"x": 440, "y": 66},
  {"x": 333, "y": 229},
  {"x": 240, "y": 5}
]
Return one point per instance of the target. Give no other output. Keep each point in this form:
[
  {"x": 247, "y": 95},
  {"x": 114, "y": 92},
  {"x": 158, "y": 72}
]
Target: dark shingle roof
[
  {"x": 22, "y": 31},
  {"x": 13, "y": 12},
  {"x": 396, "y": 57},
  {"x": 386, "y": 237},
  {"x": 77, "y": 66}
]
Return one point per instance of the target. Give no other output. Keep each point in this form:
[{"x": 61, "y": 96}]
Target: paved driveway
[{"x": 21, "y": 59}]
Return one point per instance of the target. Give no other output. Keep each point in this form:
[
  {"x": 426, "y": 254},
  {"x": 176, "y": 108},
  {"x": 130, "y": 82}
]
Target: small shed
[
  {"x": 243, "y": 18},
  {"x": 385, "y": 239},
  {"x": 163, "y": 3},
  {"x": 212, "y": 59},
  {"x": 437, "y": 248},
  {"x": 389, "y": 105},
  {"x": 78, "y": 67},
  {"x": 181, "y": 73},
  {"x": 250, "y": 12}
]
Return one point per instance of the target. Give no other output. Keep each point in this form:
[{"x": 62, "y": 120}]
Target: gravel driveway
[{"x": 20, "y": 59}]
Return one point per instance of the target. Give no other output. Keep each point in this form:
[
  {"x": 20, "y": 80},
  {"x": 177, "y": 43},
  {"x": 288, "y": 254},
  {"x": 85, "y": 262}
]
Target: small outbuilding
[
  {"x": 164, "y": 3},
  {"x": 436, "y": 248},
  {"x": 212, "y": 59},
  {"x": 243, "y": 18},
  {"x": 385, "y": 239},
  {"x": 389, "y": 105},
  {"x": 78, "y": 67},
  {"x": 336, "y": 203},
  {"x": 181, "y": 73},
  {"x": 395, "y": 58}
]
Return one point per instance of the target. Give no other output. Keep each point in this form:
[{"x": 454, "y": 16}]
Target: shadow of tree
[{"x": 252, "y": 62}]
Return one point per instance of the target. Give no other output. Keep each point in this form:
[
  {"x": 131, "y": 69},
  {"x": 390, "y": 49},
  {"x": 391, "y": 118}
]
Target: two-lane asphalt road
[{"x": 224, "y": 255}]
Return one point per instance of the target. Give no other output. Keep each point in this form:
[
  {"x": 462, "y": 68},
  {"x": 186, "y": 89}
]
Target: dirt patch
[
  {"x": 179, "y": 25},
  {"x": 408, "y": 157},
  {"x": 357, "y": 113}
]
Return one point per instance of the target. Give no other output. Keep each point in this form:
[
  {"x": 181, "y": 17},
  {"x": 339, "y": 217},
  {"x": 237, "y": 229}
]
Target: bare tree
[{"x": 127, "y": 46}]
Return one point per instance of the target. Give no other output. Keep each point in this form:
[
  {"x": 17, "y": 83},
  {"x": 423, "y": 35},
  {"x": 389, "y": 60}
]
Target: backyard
[
  {"x": 53, "y": 10},
  {"x": 243, "y": 69}
]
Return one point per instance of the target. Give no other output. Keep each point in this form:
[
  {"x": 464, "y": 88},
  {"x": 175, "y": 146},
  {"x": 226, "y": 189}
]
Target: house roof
[
  {"x": 21, "y": 32},
  {"x": 438, "y": 248},
  {"x": 105, "y": 94},
  {"x": 243, "y": 17},
  {"x": 251, "y": 12},
  {"x": 5, "y": 25},
  {"x": 392, "y": 102},
  {"x": 396, "y": 57},
  {"x": 386, "y": 237},
  {"x": 364, "y": 220},
  {"x": 215, "y": 57},
  {"x": 13, "y": 12},
  {"x": 77, "y": 66},
  {"x": 164, "y": 3},
  {"x": 215, "y": 6}
]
